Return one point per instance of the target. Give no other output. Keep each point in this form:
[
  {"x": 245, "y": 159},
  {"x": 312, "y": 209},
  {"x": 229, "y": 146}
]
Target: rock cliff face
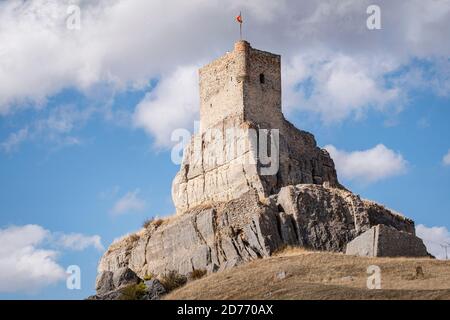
[
  {"x": 214, "y": 171},
  {"x": 227, "y": 234},
  {"x": 230, "y": 207}
]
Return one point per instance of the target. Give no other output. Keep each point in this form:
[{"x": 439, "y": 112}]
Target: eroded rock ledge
[{"x": 227, "y": 234}]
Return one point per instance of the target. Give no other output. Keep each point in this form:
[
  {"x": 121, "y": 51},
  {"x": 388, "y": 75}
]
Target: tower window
[{"x": 262, "y": 78}]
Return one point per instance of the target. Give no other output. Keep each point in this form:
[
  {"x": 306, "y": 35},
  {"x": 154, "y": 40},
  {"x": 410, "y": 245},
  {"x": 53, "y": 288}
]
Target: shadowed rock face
[{"x": 227, "y": 234}]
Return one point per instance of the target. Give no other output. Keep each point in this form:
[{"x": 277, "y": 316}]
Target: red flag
[{"x": 239, "y": 18}]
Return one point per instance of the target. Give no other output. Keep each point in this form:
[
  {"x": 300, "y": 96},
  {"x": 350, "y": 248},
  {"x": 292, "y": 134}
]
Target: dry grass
[
  {"x": 196, "y": 274},
  {"x": 291, "y": 251},
  {"x": 172, "y": 280},
  {"x": 156, "y": 222},
  {"x": 319, "y": 275}
]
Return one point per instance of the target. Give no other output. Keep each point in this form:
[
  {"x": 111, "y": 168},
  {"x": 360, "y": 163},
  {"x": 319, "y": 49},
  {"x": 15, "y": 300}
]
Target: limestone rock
[
  {"x": 386, "y": 241},
  {"x": 227, "y": 234},
  {"x": 328, "y": 218},
  {"x": 154, "y": 290},
  {"x": 111, "y": 295},
  {"x": 115, "y": 278},
  {"x": 104, "y": 282},
  {"x": 123, "y": 277},
  {"x": 204, "y": 179}
]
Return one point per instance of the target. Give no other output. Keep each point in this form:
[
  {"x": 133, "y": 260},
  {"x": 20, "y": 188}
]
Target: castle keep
[
  {"x": 244, "y": 85},
  {"x": 242, "y": 90},
  {"x": 230, "y": 212}
]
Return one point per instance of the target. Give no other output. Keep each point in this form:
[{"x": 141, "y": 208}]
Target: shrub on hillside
[
  {"x": 148, "y": 277},
  {"x": 147, "y": 223},
  {"x": 158, "y": 222},
  {"x": 133, "y": 291},
  {"x": 197, "y": 274},
  {"x": 152, "y": 222},
  {"x": 134, "y": 237},
  {"x": 173, "y": 280}
]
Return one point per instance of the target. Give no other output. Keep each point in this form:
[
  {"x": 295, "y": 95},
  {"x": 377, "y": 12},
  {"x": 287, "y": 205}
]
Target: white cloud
[
  {"x": 337, "y": 86},
  {"x": 123, "y": 44},
  {"x": 56, "y": 127},
  {"x": 434, "y": 238},
  {"x": 79, "y": 242},
  {"x": 26, "y": 265},
  {"x": 173, "y": 104},
  {"x": 14, "y": 140},
  {"x": 446, "y": 159},
  {"x": 129, "y": 203},
  {"x": 368, "y": 166}
]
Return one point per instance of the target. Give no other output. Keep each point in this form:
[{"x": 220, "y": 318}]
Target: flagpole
[{"x": 240, "y": 24}]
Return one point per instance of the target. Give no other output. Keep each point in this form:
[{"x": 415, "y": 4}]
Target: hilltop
[{"x": 300, "y": 274}]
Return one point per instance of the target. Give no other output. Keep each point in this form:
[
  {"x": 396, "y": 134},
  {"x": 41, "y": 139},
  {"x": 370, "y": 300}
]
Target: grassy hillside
[{"x": 298, "y": 274}]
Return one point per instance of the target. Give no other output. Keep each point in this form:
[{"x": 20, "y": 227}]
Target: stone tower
[
  {"x": 242, "y": 89},
  {"x": 244, "y": 84}
]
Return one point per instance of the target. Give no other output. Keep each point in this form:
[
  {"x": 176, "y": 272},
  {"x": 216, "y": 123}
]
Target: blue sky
[{"x": 85, "y": 123}]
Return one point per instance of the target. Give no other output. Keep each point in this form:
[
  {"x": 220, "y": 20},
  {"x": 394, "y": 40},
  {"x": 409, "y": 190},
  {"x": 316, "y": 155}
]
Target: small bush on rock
[
  {"x": 134, "y": 237},
  {"x": 158, "y": 222},
  {"x": 152, "y": 222},
  {"x": 133, "y": 291},
  {"x": 147, "y": 223},
  {"x": 173, "y": 280},
  {"x": 197, "y": 274},
  {"x": 148, "y": 277}
]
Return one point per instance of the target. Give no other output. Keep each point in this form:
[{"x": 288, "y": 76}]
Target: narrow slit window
[{"x": 262, "y": 78}]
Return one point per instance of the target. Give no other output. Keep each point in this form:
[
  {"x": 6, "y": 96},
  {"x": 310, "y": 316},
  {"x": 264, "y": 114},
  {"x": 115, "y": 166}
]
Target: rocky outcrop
[
  {"x": 109, "y": 284},
  {"x": 113, "y": 285},
  {"x": 227, "y": 234},
  {"x": 154, "y": 290},
  {"x": 220, "y": 166},
  {"x": 385, "y": 241}
]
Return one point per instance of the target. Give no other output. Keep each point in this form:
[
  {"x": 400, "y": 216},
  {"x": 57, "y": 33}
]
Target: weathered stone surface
[
  {"x": 110, "y": 282},
  {"x": 124, "y": 276},
  {"x": 386, "y": 241},
  {"x": 217, "y": 237},
  {"x": 104, "y": 282},
  {"x": 328, "y": 218},
  {"x": 111, "y": 295},
  {"x": 154, "y": 290},
  {"x": 227, "y": 234},
  {"x": 205, "y": 179}
]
